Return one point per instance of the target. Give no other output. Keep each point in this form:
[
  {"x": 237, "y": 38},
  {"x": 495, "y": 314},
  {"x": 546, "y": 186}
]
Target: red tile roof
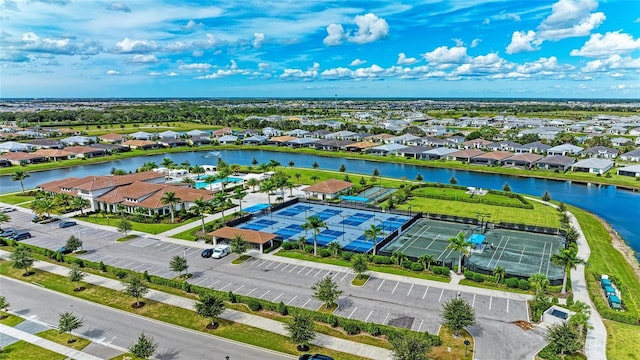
[
  {"x": 330, "y": 186},
  {"x": 255, "y": 237}
]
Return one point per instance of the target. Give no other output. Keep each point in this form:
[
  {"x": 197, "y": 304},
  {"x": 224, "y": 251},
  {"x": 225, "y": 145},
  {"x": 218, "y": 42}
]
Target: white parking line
[
  {"x": 302, "y": 269},
  {"x": 319, "y": 271},
  {"x": 212, "y": 284},
  {"x": 327, "y": 274},
  {"x": 306, "y": 302},
  {"x": 277, "y": 266},
  {"x": 395, "y": 287},
  {"x": 411, "y": 288},
  {"x": 379, "y": 286},
  {"x": 354, "y": 310},
  {"x": 490, "y": 301},
  {"x": 236, "y": 290},
  {"x": 263, "y": 295},
  {"x": 277, "y": 297},
  {"x": 224, "y": 287},
  {"x": 367, "y": 319},
  {"x": 473, "y": 303},
  {"x": 420, "y": 326},
  {"x": 293, "y": 268},
  {"x": 249, "y": 293},
  {"x": 166, "y": 247},
  {"x": 425, "y": 292},
  {"x": 507, "y": 305},
  {"x": 257, "y": 262},
  {"x": 442, "y": 293},
  {"x": 385, "y": 319},
  {"x": 139, "y": 266},
  {"x": 284, "y": 268},
  {"x": 292, "y": 300},
  {"x": 345, "y": 275},
  {"x": 335, "y": 275},
  {"x": 200, "y": 281},
  {"x": 310, "y": 270}
]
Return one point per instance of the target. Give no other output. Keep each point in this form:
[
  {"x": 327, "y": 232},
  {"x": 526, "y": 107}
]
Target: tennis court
[
  {"x": 344, "y": 225},
  {"x": 520, "y": 253}
]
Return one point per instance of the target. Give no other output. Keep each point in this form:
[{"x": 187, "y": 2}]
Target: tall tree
[
  {"x": 568, "y": 259},
  {"x": 75, "y": 276},
  {"x": 372, "y": 234},
  {"x": 253, "y": 182},
  {"x": 316, "y": 225},
  {"x": 398, "y": 257},
  {"x": 239, "y": 194},
  {"x": 134, "y": 286},
  {"x": 67, "y": 323},
  {"x": 458, "y": 314},
  {"x": 210, "y": 306},
  {"x": 144, "y": 347},
  {"x": 499, "y": 272},
  {"x": 220, "y": 201},
  {"x": 427, "y": 260},
  {"x": 20, "y": 175},
  {"x": 200, "y": 206},
  {"x": 169, "y": 198},
  {"x": 334, "y": 247},
  {"x": 297, "y": 176},
  {"x": 80, "y": 203},
  {"x": 124, "y": 226},
  {"x": 460, "y": 245},
  {"x": 238, "y": 245},
  {"x": 22, "y": 259},
  {"x": 301, "y": 330},
  {"x": 359, "y": 265},
  {"x": 179, "y": 264},
  {"x": 563, "y": 338},
  {"x": 267, "y": 187},
  {"x": 539, "y": 282},
  {"x": 326, "y": 290},
  {"x": 410, "y": 346},
  {"x": 73, "y": 243}
]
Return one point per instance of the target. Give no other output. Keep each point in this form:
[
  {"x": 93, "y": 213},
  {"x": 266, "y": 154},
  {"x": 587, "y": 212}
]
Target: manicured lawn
[
  {"x": 540, "y": 215},
  {"x": 55, "y": 336},
  {"x": 455, "y": 343},
  {"x": 126, "y": 238},
  {"x": 143, "y": 227},
  {"x": 463, "y": 195},
  {"x": 622, "y": 341},
  {"x": 11, "y": 320},
  {"x": 15, "y": 198},
  {"x": 22, "y": 350},
  {"x": 170, "y": 314},
  {"x": 360, "y": 281}
]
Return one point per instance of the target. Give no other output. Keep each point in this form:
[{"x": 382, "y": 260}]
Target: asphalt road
[{"x": 121, "y": 329}]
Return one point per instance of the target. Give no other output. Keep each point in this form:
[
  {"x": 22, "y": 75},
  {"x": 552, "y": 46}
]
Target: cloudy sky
[{"x": 312, "y": 48}]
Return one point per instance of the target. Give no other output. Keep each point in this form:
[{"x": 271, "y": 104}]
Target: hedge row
[
  {"x": 350, "y": 326},
  {"x": 524, "y": 204},
  {"x": 628, "y": 317}
]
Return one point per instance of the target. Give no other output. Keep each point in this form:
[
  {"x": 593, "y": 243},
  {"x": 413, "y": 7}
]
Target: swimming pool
[{"x": 203, "y": 185}]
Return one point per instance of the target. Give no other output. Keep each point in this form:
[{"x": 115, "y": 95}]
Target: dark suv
[{"x": 314, "y": 357}]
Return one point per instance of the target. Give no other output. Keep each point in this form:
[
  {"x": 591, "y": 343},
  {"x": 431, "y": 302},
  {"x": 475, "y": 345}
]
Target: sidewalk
[
  {"x": 596, "y": 343},
  {"x": 46, "y": 344},
  {"x": 326, "y": 341}
]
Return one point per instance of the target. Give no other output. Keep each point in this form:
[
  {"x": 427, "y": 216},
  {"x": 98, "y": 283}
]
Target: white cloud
[
  {"x": 458, "y": 42},
  {"x": 143, "y": 59},
  {"x": 615, "y": 62},
  {"x": 192, "y": 25},
  {"x": 263, "y": 66},
  {"x": 444, "y": 55},
  {"x": 570, "y": 18},
  {"x": 486, "y": 21},
  {"x": 337, "y": 73},
  {"x": 404, "y": 60},
  {"x": 309, "y": 74},
  {"x": 113, "y": 72},
  {"x": 154, "y": 73},
  {"x": 522, "y": 42},
  {"x": 258, "y": 40},
  {"x": 129, "y": 46},
  {"x": 358, "y": 62},
  {"x": 608, "y": 44},
  {"x": 370, "y": 28},
  {"x": 30, "y": 41},
  {"x": 229, "y": 70},
  {"x": 335, "y": 35},
  {"x": 475, "y": 42},
  {"x": 173, "y": 73},
  {"x": 118, "y": 6}
]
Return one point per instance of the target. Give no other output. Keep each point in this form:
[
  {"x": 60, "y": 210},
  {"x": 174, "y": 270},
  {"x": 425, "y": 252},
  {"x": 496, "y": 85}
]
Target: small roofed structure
[
  {"x": 328, "y": 189},
  {"x": 256, "y": 238}
]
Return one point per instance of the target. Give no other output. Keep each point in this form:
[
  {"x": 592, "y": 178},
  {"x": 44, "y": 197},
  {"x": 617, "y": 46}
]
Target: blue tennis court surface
[
  {"x": 344, "y": 225},
  {"x": 255, "y": 208},
  {"x": 361, "y": 199}
]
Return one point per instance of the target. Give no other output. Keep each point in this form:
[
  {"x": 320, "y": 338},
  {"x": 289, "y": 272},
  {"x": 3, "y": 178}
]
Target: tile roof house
[
  {"x": 256, "y": 238},
  {"x": 360, "y": 146},
  {"x": 633, "y": 155},
  {"x": 85, "y": 151},
  {"x": 19, "y": 158},
  {"x": 555, "y": 162},
  {"x": 141, "y": 144},
  {"x": 491, "y": 158},
  {"x": 565, "y": 149},
  {"x": 593, "y": 166},
  {"x": 222, "y": 132},
  {"x": 55, "y": 154},
  {"x": 464, "y": 155},
  {"x": 112, "y": 138},
  {"x": 328, "y": 189},
  {"x": 633, "y": 170},
  {"x": 601, "y": 152},
  {"x": 525, "y": 160}
]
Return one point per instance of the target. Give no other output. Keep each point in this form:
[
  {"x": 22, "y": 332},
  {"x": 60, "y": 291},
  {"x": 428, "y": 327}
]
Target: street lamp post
[
  {"x": 343, "y": 218},
  {"x": 409, "y": 210}
]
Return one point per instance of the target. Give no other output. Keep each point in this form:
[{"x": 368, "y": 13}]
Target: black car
[
  {"x": 8, "y": 232},
  {"x": 314, "y": 357},
  {"x": 206, "y": 253},
  {"x": 20, "y": 235},
  {"x": 66, "y": 223}
]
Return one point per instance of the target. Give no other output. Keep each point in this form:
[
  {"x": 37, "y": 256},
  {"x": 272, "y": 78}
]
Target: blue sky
[{"x": 311, "y": 48}]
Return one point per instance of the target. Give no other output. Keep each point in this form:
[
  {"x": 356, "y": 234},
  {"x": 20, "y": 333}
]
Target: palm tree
[
  {"x": 253, "y": 182},
  {"x": 399, "y": 257},
  {"x": 44, "y": 205},
  {"x": 80, "y": 203},
  {"x": 316, "y": 225},
  {"x": 427, "y": 260},
  {"x": 20, "y": 175},
  {"x": 334, "y": 247},
  {"x": 170, "y": 198},
  {"x": 460, "y": 245},
  {"x": 220, "y": 200},
  {"x": 223, "y": 176},
  {"x": 235, "y": 168},
  {"x": 168, "y": 163},
  {"x": 149, "y": 165},
  {"x": 568, "y": 259},
  {"x": 189, "y": 181},
  {"x": 289, "y": 185},
  {"x": 239, "y": 194},
  {"x": 199, "y": 207},
  {"x": 499, "y": 272},
  {"x": 372, "y": 233},
  {"x": 539, "y": 282},
  {"x": 315, "y": 165},
  {"x": 298, "y": 175},
  {"x": 210, "y": 179},
  {"x": 268, "y": 186},
  {"x": 198, "y": 170},
  {"x": 314, "y": 178},
  {"x": 63, "y": 201}
]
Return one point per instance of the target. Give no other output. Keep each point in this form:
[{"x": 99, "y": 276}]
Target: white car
[{"x": 7, "y": 209}]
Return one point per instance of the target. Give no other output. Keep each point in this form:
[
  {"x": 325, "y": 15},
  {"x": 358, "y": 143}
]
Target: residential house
[
  {"x": 255, "y": 140},
  {"x": 405, "y": 139},
  {"x": 634, "y": 131},
  {"x": 301, "y": 142},
  {"x": 415, "y": 152},
  {"x": 85, "y": 151},
  {"x": 227, "y": 139},
  {"x": 633, "y": 155},
  {"x": 555, "y": 162},
  {"x": 331, "y": 144},
  {"x": 222, "y": 132},
  {"x": 464, "y": 155},
  {"x": 435, "y": 130},
  {"x": 601, "y": 152},
  {"x": 169, "y": 135},
  {"x": 620, "y": 141},
  {"x": 526, "y": 160},
  {"x": 535, "y": 147},
  {"x": 504, "y": 145},
  {"x": 340, "y": 135},
  {"x": 21, "y": 158},
  {"x": 55, "y": 154},
  {"x": 544, "y": 132},
  {"x": 386, "y": 149},
  {"x": 593, "y": 166},
  {"x": 269, "y": 131},
  {"x": 172, "y": 142},
  {"x": 318, "y": 134},
  {"x": 475, "y": 144},
  {"x": 378, "y": 137},
  {"x": 141, "y": 144},
  {"x": 197, "y": 133},
  {"x": 142, "y": 135},
  {"x": 360, "y": 146},
  {"x": 112, "y": 138},
  {"x": 111, "y": 148},
  {"x": 439, "y": 153},
  {"x": 280, "y": 140},
  {"x": 199, "y": 140},
  {"x": 633, "y": 170},
  {"x": 5, "y": 163},
  {"x": 491, "y": 158},
  {"x": 456, "y": 139},
  {"x": 297, "y": 133},
  {"x": 329, "y": 189},
  {"x": 46, "y": 144},
  {"x": 12, "y": 146},
  {"x": 565, "y": 149}
]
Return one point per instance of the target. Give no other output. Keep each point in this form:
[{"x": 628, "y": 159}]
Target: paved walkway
[
  {"x": 596, "y": 343},
  {"x": 46, "y": 344},
  {"x": 329, "y": 342}
]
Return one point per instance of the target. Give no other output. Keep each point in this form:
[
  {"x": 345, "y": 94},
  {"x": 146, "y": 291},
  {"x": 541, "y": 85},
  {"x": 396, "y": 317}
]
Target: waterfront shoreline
[{"x": 621, "y": 246}]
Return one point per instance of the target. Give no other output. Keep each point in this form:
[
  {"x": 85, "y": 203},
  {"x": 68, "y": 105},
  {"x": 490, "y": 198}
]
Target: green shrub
[
  {"x": 523, "y": 284},
  {"x": 379, "y": 259},
  {"x": 478, "y": 278},
  {"x": 254, "y": 305},
  {"x": 232, "y": 297},
  {"x": 120, "y": 274},
  {"x": 282, "y": 309},
  {"x": 333, "y": 320},
  {"x": 346, "y": 255},
  {"x": 570, "y": 300},
  {"x": 308, "y": 249},
  {"x": 350, "y": 327},
  {"x": 373, "y": 329},
  {"x": 103, "y": 267},
  {"x": 407, "y": 264},
  {"x": 512, "y": 282},
  {"x": 416, "y": 266},
  {"x": 434, "y": 340},
  {"x": 289, "y": 245},
  {"x": 324, "y": 253},
  {"x": 440, "y": 270},
  {"x": 146, "y": 276},
  {"x": 468, "y": 274}
]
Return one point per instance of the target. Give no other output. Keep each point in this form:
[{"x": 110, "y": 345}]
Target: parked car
[
  {"x": 206, "y": 253},
  {"x": 20, "y": 235},
  {"x": 314, "y": 357},
  {"x": 63, "y": 250},
  {"x": 67, "y": 223},
  {"x": 220, "y": 251},
  {"x": 7, "y": 209},
  {"x": 8, "y": 232}
]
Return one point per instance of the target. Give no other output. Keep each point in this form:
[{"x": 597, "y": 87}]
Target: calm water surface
[{"x": 621, "y": 208}]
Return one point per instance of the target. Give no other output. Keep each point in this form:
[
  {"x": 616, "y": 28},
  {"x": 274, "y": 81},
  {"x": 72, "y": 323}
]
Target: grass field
[
  {"x": 455, "y": 344},
  {"x": 62, "y": 339},
  {"x": 22, "y": 350},
  {"x": 463, "y": 195},
  {"x": 16, "y": 198},
  {"x": 100, "y": 219},
  {"x": 11, "y": 320},
  {"x": 622, "y": 341}
]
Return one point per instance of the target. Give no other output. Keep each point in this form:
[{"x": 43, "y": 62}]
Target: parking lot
[{"x": 408, "y": 304}]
